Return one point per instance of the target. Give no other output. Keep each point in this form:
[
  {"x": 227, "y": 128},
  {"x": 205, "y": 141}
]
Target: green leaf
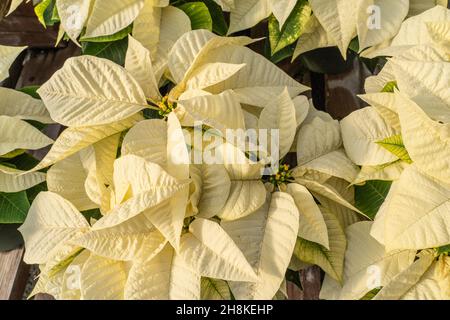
[
  {"x": 31, "y": 91},
  {"x": 292, "y": 29},
  {"x": 314, "y": 253},
  {"x": 390, "y": 86},
  {"x": 55, "y": 14},
  {"x": 354, "y": 45},
  {"x": 94, "y": 213},
  {"x": 114, "y": 51},
  {"x": 12, "y": 154},
  {"x": 45, "y": 12},
  {"x": 220, "y": 25},
  {"x": 396, "y": 146},
  {"x": 13, "y": 207},
  {"x": 443, "y": 250},
  {"x": 23, "y": 162},
  {"x": 370, "y": 196},
  {"x": 111, "y": 38},
  {"x": 370, "y": 295},
  {"x": 214, "y": 289},
  {"x": 280, "y": 55},
  {"x": 10, "y": 237},
  {"x": 199, "y": 15},
  {"x": 151, "y": 114},
  {"x": 33, "y": 192}
]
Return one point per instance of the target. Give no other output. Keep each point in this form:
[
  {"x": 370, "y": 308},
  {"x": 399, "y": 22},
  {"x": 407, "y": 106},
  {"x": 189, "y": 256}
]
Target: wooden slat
[
  {"x": 43, "y": 296},
  {"x": 310, "y": 279},
  {"x": 13, "y": 274},
  {"x": 22, "y": 28},
  {"x": 342, "y": 90},
  {"x": 40, "y": 65}
]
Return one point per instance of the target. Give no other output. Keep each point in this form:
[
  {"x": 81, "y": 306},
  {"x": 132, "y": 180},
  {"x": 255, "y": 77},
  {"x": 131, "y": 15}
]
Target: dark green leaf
[
  {"x": 282, "y": 37},
  {"x": 114, "y": 51},
  {"x": 40, "y": 10},
  {"x": 151, "y": 114},
  {"x": 33, "y": 192},
  {"x": 13, "y": 207},
  {"x": 45, "y": 12},
  {"x": 111, "y": 38},
  {"x": 220, "y": 25},
  {"x": 443, "y": 250},
  {"x": 10, "y": 237},
  {"x": 280, "y": 55},
  {"x": 24, "y": 162},
  {"x": 94, "y": 213},
  {"x": 370, "y": 196},
  {"x": 199, "y": 15},
  {"x": 12, "y": 154},
  {"x": 354, "y": 45},
  {"x": 31, "y": 91}
]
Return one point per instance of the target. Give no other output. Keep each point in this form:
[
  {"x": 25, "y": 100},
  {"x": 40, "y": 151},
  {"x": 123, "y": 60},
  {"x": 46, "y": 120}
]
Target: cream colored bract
[
  {"x": 151, "y": 196},
  {"x": 403, "y": 137}
]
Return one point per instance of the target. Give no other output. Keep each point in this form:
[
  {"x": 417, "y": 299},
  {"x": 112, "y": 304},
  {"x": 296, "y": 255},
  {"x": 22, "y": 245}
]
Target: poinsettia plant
[
  {"x": 190, "y": 166},
  {"x": 401, "y": 143}
]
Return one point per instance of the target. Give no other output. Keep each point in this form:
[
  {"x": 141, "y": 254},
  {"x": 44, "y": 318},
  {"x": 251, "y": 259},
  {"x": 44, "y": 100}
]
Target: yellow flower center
[
  {"x": 165, "y": 106},
  {"x": 282, "y": 176}
]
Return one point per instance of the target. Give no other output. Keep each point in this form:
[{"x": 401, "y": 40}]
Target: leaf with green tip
[
  {"x": 44, "y": 12},
  {"x": 331, "y": 261},
  {"x": 282, "y": 36},
  {"x": 396, "y": 146},
  {"x": 13, "y": 207},
  {"x": 390, "y": 87},
  {"x": 64, "y": 263},
  {"x": 199, "y": 15},
  {"x": 12, "y": 154},
  {"x": 214, "y": 289},
  {"x": 370, "y": 197},
  {"x": 370, "y": 295},
  {"x": 280, "y": 55}
]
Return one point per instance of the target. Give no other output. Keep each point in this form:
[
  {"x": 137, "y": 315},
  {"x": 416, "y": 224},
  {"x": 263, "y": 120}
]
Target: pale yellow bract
[
  {"x": 336, "y": 22},
  {"x": 403, "y": 137},
  {"x": 169, "y": 226},
  {"x": 15, "y": 133},
  {"x": 160, "y": 213}
]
